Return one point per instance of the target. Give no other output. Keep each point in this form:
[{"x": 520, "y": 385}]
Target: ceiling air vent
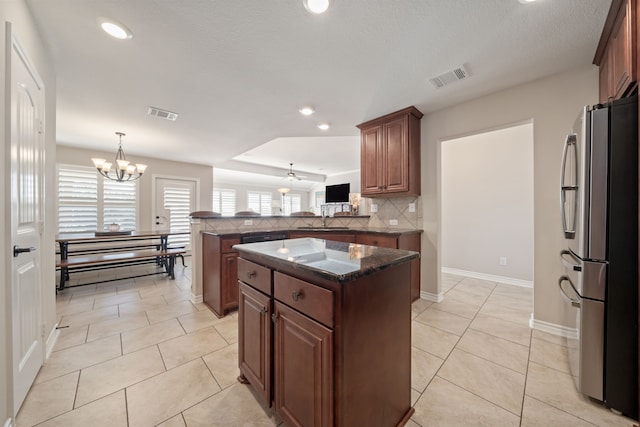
[
  {"x": 449, "y": 77},
  {"x": 163, "y": 114}
]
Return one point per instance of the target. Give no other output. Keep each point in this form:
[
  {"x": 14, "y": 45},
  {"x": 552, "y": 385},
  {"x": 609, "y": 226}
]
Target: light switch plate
[
  {"x": 248, "y": 222},
  {"x": 393, "y": 222},
  {"x": 374, "y": 207},
  {"x": 412, "y": 207}
]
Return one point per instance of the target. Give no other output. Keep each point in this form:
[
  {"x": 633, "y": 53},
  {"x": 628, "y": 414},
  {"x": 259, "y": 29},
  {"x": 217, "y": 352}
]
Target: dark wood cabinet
[
  {"x": 410, "y": 242},
  {"x": 219, "y": 273},
  {"x": 616, "y": 52},
  {"x": 390, "y": 154}
]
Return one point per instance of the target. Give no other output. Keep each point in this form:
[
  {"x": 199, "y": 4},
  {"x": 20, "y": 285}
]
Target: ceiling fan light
[{"x": 316, "y": 6}]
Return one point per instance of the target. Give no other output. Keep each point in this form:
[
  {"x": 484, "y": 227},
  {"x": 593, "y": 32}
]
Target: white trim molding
[
  {"x": 552, "y": 328},
  {"x": 197, "y": 299},
  {"x": 9, "y": 422},
  {"x": 51, "y": 341},
  {"x": 489, "y": 277},
  {"x": 432, "y": 297}
]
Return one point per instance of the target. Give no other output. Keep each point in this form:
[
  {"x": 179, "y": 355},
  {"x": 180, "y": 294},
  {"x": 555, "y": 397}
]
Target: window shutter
[
  {"x": 224, "y": 201},
  {"x": 291, "y": 203},
  {"x": 77, "y": 199},
  {"x": 119, "y": 204},
  {"x": 177, "y": 200},
  {"x": 259, "y": 202}
]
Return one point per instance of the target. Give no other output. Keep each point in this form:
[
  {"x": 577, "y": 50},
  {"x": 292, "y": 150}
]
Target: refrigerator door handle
[
  {"x": 575, "y": 266},
  {"x": 570, "y": 141},
  {"x": 574, "y": 302}
]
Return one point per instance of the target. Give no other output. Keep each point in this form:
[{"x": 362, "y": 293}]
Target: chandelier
[{"x": 124, "y": 171}]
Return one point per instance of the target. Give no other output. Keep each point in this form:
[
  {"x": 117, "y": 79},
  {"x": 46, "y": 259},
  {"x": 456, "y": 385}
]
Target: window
[
  {"x": 258, "y": 201},
  {"x": 224, "y": 201},
  {"x": 87, "y": 202},
  {"x": 291, "y": 203}
]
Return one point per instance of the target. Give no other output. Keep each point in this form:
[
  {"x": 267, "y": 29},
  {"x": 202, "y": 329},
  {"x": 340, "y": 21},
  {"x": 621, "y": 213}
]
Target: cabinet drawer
[
  {"x": 255, "y": 275},
  {"x": 312, "y": 300},
  {"x": 377, "y": 240},
  {"x": 226, "y": 245}
]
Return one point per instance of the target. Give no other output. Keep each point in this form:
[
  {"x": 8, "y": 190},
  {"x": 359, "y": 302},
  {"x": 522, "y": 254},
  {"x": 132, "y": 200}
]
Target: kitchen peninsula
[{"x": 325, "y": 330}]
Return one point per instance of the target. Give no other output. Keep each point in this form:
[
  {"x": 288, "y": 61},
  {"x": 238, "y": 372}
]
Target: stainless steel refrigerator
[{"x": 599, "y": 202}]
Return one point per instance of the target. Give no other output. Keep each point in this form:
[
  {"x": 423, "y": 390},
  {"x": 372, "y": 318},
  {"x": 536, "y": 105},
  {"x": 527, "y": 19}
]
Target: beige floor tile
[
  {"x": 68, "y": 308},
  {"x": 142, "y": 305},
  {"x": 223, "y": 364},
  {"x": 88, "y": 317},
  {"x": 75, "y": 358},
  {"x": 180, "y": 350},
  {"x": 48, "y": 399},
  {"x": 123, "y": 323},
  {"x": 177, "y": 295},
  {"x": 502, "y": 352},
  {"x": 456, "y": 307},
  {"x": 201, "y": 306},
  {"x": 161, "y": 397},
  {"x": 432, "y": 340},
  {"x": 228, "y": 328},
  {"x": 515, "y": 332},
  {"x": 198, "y": 320},
  {"x": 557, "y": 389},
  {"x": 412, "y": 424},
  {"x": 418, "y": 306},
  {"x": 110, "y": 411},
  {"x": 70, "y": 337},
  {"x": 158, "y": 314},
  {"x": 239, "y": 406},
  {"x": 423, "y": 367},
  {"x": 501, "y": 386},
  {"x": 150, "y": 335},
  {"x": 105, "y": 301},
  {"x": 443, "y": 320},
  {"x": 505, "y": 312},
  {"x": 414, "y": 397},
  {"x": 508, "y": 301},
  {"x": 105, "y": 378},
  {"x": 519, "y": 292},
  {"x": 539, "y": 414},
  {"x": 446, "y": 405},
  {"x": 466, "y": 297},
  {"x": 550, "y": 355},
  {"x": 476, "y": 286},
  {"x": 177, "y": 421}
]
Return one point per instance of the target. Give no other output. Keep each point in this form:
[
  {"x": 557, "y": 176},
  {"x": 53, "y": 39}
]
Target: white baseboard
[
  {"x": 51, "y": 341},
  {"x": 8, "y": 423},
  {"x": 553, "y": 328},
  {"x": 432, "y": 297},
  {"x": 489, "y": 277},
  {"x": 196, "y": 299}
]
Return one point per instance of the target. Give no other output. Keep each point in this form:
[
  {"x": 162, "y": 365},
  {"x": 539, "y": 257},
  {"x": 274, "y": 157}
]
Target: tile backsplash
[{"x": 396, "y": 208}]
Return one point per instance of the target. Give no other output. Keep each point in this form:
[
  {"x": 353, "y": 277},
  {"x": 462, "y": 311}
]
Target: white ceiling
[{"x": 237, "y": 71}]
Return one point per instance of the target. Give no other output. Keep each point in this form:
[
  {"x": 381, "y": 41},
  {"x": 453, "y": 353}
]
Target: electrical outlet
[
  {"x": 393, "y": 222},
  {"x": 412, "y": 207},
  {"x": 502, "y": 260},
  {"x": 374, "y": 208},
  {"x": 248, "y": 222}
]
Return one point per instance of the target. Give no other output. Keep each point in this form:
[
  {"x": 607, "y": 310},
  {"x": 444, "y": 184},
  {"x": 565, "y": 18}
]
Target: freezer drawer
[{"x": 589, "y": 278}]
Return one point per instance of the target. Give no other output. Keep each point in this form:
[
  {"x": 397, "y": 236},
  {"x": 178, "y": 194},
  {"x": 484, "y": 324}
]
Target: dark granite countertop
[
  {"x": 355, "y": 230},
  {"x": 336, "y": 261}
]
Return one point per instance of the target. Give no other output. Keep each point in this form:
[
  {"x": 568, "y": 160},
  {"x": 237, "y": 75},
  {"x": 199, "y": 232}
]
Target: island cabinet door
[
  {"x": 254, "y": 340},
  {"x": 229, "y": 276},
  {"x": 303, "y": 369}
]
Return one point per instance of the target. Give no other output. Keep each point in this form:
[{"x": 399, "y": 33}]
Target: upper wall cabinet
[
  {"x": 390, "y": 155},
  {"x": 616, "y": 53}
]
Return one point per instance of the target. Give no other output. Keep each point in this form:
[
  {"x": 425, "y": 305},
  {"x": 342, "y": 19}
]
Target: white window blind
[
  {"x": 291, "y": 203},
  {"x": 258, "y": 201},
  {"x": 77, "y": 199},
  {"x": 87, "y": 202},
  {"x": 224, "y": 201},
  {"x": 119, "y": 204},
  {"x": 177, "y": 201}
]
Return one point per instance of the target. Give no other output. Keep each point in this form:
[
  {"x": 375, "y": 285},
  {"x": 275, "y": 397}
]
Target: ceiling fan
[{"x": 291, "y": 175}]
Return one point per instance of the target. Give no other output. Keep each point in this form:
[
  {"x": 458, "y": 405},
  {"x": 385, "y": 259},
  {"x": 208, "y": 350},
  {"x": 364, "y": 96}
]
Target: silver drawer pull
[
  {"x": 296, "y": 295},
  {"x": 251, "y": 274}
]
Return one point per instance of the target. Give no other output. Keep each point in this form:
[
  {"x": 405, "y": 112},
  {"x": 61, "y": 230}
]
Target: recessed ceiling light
[
  {"x": 526, "y": 1},
  {"x": 316, "y": 6},
  {"x": 323, "y": 126},
  {"x": 306, "y": 111},
  {"x": 114, "y": 29}
]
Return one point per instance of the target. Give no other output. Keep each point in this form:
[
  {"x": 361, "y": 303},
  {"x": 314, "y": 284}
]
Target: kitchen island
[{"x": 325, "y": 331}]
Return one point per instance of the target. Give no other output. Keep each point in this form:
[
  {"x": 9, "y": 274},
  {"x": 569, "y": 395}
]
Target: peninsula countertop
[
  {"x": 335, "y": 261},
  {"x": 389, "y": 231}
]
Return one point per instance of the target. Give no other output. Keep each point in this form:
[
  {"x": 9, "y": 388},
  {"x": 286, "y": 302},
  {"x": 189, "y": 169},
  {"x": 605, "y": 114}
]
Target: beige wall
[
  {"x": 156, "y": 167},
  {"x": 15, "y": 12},
  {"x": 552, "y": 104},
  {"x": 487, "y": 204}
]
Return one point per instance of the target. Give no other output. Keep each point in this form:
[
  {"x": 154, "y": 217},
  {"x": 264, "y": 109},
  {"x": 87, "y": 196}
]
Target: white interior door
[
  {"x": 175, "y": 200},
  {"x": 27, "y": 154}
]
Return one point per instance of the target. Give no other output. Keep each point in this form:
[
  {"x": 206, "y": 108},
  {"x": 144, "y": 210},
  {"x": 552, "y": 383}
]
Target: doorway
[
  {"x": 175, "y": 199},
  {"x": 487, "y": 205}
]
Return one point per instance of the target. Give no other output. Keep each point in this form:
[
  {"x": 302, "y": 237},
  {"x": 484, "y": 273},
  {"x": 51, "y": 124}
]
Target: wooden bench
[{"x": 98, "y": 261}]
